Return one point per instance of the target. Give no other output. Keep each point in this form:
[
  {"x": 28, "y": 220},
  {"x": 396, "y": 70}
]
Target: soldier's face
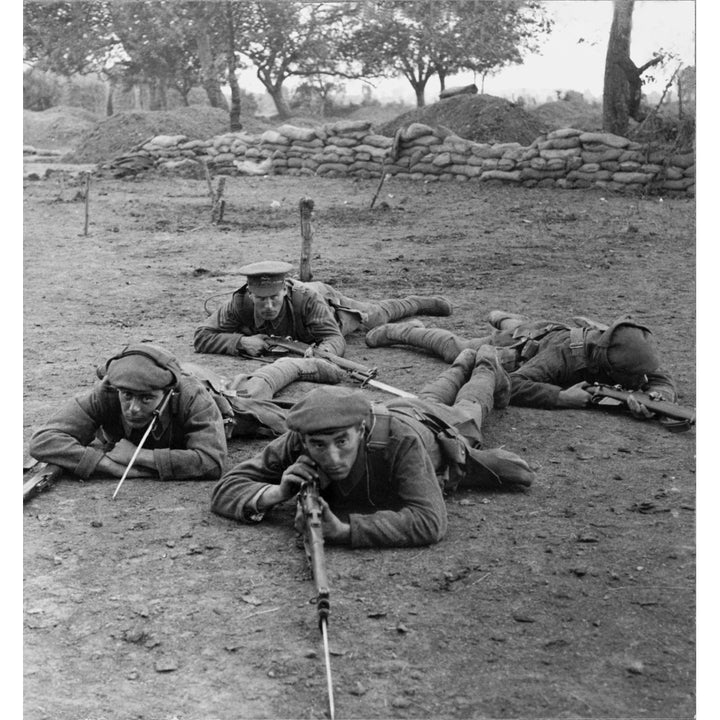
[
  {"x": 137, "y": 407},
  {"x": 268, "y": 307},
  {"x": 336, "y": 452}
]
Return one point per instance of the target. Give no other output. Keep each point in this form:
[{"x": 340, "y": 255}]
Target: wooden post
[
  {"x": 218, "y": 203},
  {"x": 87, "y": 204},
  {"x": 306, "y": 208},
  {"x": 380, "y": 184},
  {"x": 216, "y": 198}
]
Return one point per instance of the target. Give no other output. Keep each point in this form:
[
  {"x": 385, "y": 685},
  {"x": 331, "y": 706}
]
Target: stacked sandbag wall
[{"x": 565, "y": 158}]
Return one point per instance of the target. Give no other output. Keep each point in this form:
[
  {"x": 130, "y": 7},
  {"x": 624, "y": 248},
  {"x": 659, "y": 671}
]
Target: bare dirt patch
[{"x": 573, "y": 599}]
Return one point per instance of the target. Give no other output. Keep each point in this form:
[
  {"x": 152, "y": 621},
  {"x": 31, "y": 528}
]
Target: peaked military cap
[{"x": 266, "y": 277}]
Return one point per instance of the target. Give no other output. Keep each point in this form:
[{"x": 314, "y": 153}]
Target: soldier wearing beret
[
  {"x": 382, "y": 468},
  {"x": 98, "y": 431},
  {"x": 271, "y": 303},
  {"x": 551, "y": 362}
]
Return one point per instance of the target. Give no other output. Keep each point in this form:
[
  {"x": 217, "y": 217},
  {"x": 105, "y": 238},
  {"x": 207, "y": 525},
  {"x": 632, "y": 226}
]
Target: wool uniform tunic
[
  {"x": 305, "y": 316},
  {"x": 392, "y": 496},
  {"x": 188, "y": 440},
  {"x": 537, "y": 382}
]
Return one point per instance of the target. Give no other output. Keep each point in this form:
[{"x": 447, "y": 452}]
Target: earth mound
[
  {"x": 57, "y": 128},
  {"x": 123, "y": 132},
  {"x": 570, "y": 113},
  {"x": 482, "y": 118}
]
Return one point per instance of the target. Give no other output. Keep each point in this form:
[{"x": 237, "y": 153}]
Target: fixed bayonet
[{"x": 156, "y": 414}]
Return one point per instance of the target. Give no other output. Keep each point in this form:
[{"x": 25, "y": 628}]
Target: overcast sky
[{"x": 563, "y": 63}]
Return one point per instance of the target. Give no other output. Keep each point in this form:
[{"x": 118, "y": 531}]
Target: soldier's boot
[
  {"x": 441, "y": 343},
  {"x": 265, "y": 383},
  {"x": 489, "y": 383},
  {"x": 509, "y": 468},
  {"x": 445, "y": 387},
  {"x": 385, "y": 311},
  {"x": 505, "y": 320}
]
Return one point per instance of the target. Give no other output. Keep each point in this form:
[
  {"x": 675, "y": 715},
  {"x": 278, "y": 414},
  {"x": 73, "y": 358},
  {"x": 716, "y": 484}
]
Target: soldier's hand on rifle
[
  {"x": 253, "y": 345},
  {"x": 334, "y": 530},
  {"x": 302, "y": 470},
  {"x": 574, "y": 397},
  {"x": 637, "y": 409}
]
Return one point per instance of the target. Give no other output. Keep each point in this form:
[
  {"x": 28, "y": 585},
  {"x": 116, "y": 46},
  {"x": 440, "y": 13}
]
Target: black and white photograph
[{"x": 359, "y": 361}]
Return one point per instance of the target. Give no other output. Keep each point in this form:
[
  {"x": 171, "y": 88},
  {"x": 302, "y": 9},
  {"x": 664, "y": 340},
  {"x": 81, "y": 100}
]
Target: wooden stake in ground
[
  {"x": 216, "y": 198},
  {"x": 306, "y": 230},
  {"x": 87, "y": 204},
  {"x": 380, "y": 184}
]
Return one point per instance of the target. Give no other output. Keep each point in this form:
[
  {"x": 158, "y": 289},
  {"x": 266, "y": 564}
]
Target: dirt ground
[{"x": 573, "y": 599}]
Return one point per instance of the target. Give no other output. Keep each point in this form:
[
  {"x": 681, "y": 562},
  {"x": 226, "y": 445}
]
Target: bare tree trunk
[
  {"x": 110, "y": 91},
  {"x": 235, "y": 123},
  {"x": 281, "y": 104},
  {"x": 207, "y": 66},
  {"x": 617, "y": 90}
]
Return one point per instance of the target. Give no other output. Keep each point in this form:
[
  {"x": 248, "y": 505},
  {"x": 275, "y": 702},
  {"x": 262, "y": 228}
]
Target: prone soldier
[
  {"x": 551, "y": 363},
  {"x": 99, "y": 430},
  {"x": 271, "y": 303},
  {"x": 382, "y": 468}
]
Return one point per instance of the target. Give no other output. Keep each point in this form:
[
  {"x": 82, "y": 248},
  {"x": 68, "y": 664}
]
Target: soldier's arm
[
  {"x": 547, "y": 381},
  {"x": 238, "y": 495},
  {"x": 224, "y": 331},
  {"x": 320, "y": 323}
]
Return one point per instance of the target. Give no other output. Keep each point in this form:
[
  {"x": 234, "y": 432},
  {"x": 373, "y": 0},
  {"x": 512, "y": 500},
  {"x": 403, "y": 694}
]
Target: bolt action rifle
[
  {"x": 360, "y": 373},
  {"x": 679, "y": 418},
  {"x": 309, "y": 499}
]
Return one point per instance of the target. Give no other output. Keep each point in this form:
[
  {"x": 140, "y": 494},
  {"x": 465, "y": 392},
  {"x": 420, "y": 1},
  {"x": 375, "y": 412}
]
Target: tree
[
  {"x": 423, "y": 38},
  {"x": 284, "y": 38},
  {"x": 622, "y": 89}
]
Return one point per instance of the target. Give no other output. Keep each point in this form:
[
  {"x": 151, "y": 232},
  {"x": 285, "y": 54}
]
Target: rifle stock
[
  {"x": 40, "y": 477},
  {"x": 684, "y": 416}
]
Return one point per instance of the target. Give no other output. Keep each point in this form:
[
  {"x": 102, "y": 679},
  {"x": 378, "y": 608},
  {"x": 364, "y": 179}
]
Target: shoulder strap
[
  {"x": 380, "y": 430},
  {"x": 577, "y": 342}
]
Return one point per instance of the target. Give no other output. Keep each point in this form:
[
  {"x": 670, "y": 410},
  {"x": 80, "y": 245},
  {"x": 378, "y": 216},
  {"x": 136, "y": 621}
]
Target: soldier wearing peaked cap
[
  {"x": 271, "y": 303},
  {"x": 550, "y": 362},
  {"x": 382, "y": 468},
  {"x": 98, "y": 431}
]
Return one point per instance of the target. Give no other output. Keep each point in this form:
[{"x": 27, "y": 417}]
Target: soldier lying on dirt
[
  {"x": 382, "y": 468},
  {"x": 273, "y": 304},
  {"x": 551, "y": 362},
  {"x": 98, "y": 431}
]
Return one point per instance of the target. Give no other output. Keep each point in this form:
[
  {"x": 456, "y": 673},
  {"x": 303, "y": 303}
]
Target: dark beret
[
  {"x": 327, "y": 408},
  {"x": 138, "y": 373},
  {"x": 631, "y": 350}
]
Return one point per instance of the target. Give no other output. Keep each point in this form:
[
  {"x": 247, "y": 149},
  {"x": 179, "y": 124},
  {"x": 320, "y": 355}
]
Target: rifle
[
  {"x": 358, "y": 372},
  {"x": 40, "y": 476},
  {"x": 156, "y": 414},
  {"x": 309, "y": 499},
  {"x": 681, "y": 418}
]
